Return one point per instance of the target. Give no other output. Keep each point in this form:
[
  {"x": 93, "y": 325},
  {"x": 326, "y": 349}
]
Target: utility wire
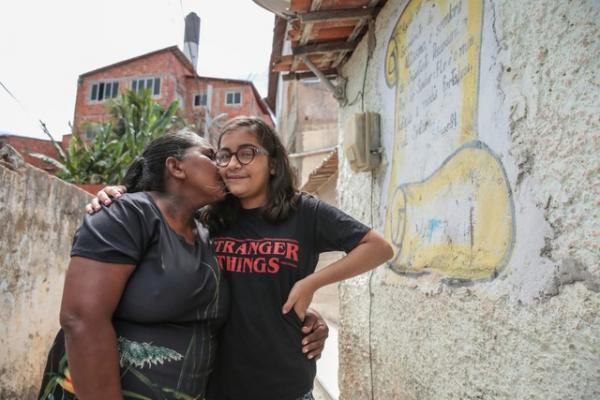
[
  {"x": 372, "y": 272},
  {"x": 38, "y": 120},
  {"x": 14, "y": 97}
]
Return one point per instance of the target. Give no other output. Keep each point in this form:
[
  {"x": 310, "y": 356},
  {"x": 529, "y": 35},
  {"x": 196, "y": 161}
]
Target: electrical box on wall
[{"x": 362, "y": 141}]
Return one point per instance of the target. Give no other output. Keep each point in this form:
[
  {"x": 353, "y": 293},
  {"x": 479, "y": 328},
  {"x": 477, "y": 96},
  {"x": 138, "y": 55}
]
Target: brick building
[
  {"x": 26, "y": 145},
  {"x": 204, "y": 101}
]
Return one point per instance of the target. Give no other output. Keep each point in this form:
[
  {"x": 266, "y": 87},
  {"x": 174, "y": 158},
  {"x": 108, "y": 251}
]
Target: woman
[
  {"x": 144, "y": 297},
  {"x": 267, "y": 237}
]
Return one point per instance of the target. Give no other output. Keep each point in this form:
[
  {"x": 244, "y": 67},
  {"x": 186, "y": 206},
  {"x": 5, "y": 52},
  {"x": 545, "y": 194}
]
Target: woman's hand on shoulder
[{"x": 105, "y": 196}]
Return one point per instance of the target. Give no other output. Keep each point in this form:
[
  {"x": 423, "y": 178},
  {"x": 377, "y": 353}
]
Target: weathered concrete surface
[
  {"x": 532, "y": 329},
  {"x": 39, "y": 214}
]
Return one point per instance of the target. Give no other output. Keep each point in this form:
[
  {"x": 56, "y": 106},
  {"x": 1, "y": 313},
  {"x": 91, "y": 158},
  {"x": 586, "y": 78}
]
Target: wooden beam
[
  {"x": 326, "y": 60},
  {"x": 324, "y": 47},
  {"x": 307, "y": 75},
  {"x": 359, "y": 27},
  {"x": 334, "y": 15},
  {"x": 357, "y": 30},
  {"x": 306, "y": 32},
  {"x": 338, "y": 60},
  {"x": 326, "y": 33},
  {"x": 307, "y": 28}
]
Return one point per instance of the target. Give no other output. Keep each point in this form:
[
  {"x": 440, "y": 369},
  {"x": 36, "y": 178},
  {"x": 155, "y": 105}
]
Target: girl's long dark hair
[
  {"x": 147, "y": 172},
  {"x": 282, "y": 195}
]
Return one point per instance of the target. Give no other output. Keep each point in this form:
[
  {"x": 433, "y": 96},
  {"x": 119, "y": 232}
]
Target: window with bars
[
  {"x": 201, "y": 99},
  {"x": 233, "y": 98},
  {"x": 104, "y": 90},
  {"x": 152, "y": 84}
]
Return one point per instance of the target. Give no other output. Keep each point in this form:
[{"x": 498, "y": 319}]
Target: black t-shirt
[
  {"x": 171, "y": 310},
  {"x": 260, "y": 352}
]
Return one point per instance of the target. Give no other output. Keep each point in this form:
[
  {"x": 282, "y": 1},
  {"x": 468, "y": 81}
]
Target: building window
[
  {"x": 104, "y": 90},
  {"x": 233, "y": 98},
  {"x": 152, "y": 84},
  {"x": 200, "y": 99},
  {"x": 180, "y": 101},
  {"x": 91, "y": 131}
]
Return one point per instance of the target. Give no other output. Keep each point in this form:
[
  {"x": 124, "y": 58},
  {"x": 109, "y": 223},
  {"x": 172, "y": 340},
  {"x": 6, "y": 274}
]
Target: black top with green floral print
[{"x": 170, "y": 311}]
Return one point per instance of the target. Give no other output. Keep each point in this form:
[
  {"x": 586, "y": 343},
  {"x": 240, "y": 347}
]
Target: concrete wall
[
  {"x": 39, "y": 214},
  {"x": 489, "y": 194}
]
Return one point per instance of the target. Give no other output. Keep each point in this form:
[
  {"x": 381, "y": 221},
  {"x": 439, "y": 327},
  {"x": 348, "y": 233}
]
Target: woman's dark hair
[
  {"x": 147, "y": 172},
  {"x": 282, "y": 195}
]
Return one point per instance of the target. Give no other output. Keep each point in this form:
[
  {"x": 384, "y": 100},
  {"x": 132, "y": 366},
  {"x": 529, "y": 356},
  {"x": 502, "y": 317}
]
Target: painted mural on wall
[{"x": 449, "y": 206}]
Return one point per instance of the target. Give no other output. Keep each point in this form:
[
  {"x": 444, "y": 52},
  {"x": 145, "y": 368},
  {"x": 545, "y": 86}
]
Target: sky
[{"x": 46, "y": 45}]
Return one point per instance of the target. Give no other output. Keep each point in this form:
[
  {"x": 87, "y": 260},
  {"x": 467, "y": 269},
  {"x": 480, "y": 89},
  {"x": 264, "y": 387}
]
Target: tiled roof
[{"x": 173, "y": 49}]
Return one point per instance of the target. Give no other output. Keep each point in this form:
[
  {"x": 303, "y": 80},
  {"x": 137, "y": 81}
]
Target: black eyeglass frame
[{"x": 255, "y": 152}]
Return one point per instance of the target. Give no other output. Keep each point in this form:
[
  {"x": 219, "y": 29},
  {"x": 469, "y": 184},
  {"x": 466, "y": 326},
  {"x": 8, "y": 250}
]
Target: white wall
[{"x": 489, "y": 193}]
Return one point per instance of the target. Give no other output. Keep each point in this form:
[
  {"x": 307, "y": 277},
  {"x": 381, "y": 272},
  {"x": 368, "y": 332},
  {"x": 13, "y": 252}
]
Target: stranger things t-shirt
[{"x": 260, "y": 351}]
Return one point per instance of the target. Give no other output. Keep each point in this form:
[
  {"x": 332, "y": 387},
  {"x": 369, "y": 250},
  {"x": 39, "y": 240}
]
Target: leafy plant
[{"x": 136, "y": 119}]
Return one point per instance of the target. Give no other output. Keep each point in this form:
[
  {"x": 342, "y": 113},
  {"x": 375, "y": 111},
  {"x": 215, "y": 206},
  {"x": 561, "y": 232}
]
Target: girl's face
[{"x": 248, "y": 182}]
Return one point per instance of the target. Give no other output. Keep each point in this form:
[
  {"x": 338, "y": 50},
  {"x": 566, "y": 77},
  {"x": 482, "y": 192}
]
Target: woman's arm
[
  {"x": 371, "y": 251},
  {"x": 91, "y": 294},
  {"x": 316, "y": 331}
]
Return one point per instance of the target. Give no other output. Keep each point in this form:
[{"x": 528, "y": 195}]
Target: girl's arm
[
  {"x": 105, "y": 196},
  {"x": 91, "y": 294},
  {"x": 371, "y": 251}
]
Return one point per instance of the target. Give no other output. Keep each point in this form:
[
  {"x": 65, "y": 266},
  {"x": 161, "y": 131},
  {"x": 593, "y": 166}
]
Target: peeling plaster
[{"x": 571, "y": 271}]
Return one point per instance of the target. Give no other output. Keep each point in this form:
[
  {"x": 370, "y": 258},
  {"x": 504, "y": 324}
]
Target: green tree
[{"x": 136, "y": 119}]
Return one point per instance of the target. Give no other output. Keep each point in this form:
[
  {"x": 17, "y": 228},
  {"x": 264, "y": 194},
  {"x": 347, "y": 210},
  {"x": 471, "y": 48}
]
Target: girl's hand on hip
[{"x": 300, "y": 297}]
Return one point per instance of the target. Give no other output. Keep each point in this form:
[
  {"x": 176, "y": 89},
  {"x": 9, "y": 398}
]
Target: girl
[{"x": 268, "y": 237}]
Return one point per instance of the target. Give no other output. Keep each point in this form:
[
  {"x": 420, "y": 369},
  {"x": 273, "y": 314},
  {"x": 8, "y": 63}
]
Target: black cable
[
  {"x": 372, "y": 272},
  {"x": 371, "y": 295},
  {"x": 362, "y": 91},
  {"x": 13, "y": 96},
  {"x": 43, "y": 125}
]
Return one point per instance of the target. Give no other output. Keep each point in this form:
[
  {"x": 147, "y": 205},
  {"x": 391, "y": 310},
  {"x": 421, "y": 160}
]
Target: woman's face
[
  {"x": 248, "y": 182},
  {"x": 202, "y": 174}
]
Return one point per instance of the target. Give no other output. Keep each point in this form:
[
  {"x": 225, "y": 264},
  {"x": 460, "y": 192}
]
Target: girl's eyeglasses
[{"x": 244, "y": 155}]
